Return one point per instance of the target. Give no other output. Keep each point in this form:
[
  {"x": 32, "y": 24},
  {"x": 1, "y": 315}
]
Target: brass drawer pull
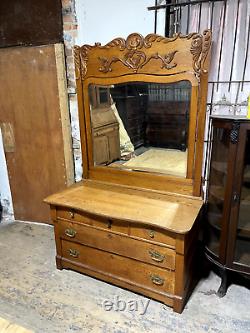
[
  {"x": 72, "y": 214},
  {"x": 157, "y": 280},
  {"x": 73, "y": 253},
  {"x": 156, "y": 256},
  {"x": 70, "y": 233}
]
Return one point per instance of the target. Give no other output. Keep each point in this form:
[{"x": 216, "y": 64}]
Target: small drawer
[
  {"x": 111, "y": 224},
  {"x": 72, "y": 215},
  {"x": 126, "y": 246},
  {"x": 153, "y": 234},
  {"x": 126, "y": 269},
  {"x": 89, "y": 219}
]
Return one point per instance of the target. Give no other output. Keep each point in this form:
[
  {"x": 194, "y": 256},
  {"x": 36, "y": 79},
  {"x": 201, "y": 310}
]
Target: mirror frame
[{"x": 153, "y": 59}]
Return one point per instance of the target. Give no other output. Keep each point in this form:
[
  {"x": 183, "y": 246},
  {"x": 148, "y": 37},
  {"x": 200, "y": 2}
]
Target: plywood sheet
[{"x": 30, "y": 105}]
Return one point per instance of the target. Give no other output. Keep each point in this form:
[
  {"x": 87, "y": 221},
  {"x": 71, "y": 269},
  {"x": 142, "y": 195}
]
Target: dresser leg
[
  {"x": 59, "y": 263},
  {"x": 223, "y": 286},
  {"x": 178, "y": 305}
]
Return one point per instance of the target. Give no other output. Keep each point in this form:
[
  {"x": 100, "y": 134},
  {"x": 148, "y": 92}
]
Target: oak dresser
[{"x": 133, "y": 227}]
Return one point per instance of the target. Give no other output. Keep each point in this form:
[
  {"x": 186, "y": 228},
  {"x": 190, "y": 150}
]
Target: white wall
[
  {"x": 5, "y": 194},
  {"x": 102, "y": 21}
]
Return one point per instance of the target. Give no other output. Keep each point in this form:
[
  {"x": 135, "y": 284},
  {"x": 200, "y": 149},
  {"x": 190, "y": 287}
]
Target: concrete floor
[{"x": 34, "y": 294}]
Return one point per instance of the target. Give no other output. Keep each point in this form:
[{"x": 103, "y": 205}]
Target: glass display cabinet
[
  {"x": 134, "y": 219},
  {"x": 227, "y": 233}
]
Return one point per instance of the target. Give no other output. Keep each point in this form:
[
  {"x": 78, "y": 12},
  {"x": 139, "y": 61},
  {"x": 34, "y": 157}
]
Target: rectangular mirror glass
[{"x": 141, "y": 126}]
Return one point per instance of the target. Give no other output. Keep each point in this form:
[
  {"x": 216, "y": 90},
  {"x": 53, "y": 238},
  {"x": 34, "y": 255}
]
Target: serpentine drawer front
[
  {"x": 114, "y": 242},
  {"x": 140, "y": 252},
  {"x": 146, "y": 259}
]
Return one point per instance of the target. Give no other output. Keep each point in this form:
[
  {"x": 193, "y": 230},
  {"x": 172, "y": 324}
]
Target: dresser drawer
[
  {"x": 116, "y": 243},
  {"x": 89, "y": 219},
  {"x": 113, "y": 265},
  {"x": 153, "y": 234},
  {"x": 72, "y": 215}
]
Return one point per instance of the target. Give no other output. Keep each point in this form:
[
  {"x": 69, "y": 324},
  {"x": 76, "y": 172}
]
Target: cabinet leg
[
  {"x": 59, "y": 263},
  {"x": 223, "y": 286},
  {"x": 178, "y": 305}
]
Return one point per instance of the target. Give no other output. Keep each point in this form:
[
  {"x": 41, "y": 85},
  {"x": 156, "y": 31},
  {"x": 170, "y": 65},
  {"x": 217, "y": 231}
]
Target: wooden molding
[
  {"x": 64, "y": 111},
  {"x": 189, "y": 53},
  {"x": 199, "y": 49}
]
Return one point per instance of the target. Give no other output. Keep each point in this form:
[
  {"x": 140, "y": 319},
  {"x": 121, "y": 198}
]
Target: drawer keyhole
[
  {"x": 151, "y": 233},
  {"x": 109, "y": 224}
]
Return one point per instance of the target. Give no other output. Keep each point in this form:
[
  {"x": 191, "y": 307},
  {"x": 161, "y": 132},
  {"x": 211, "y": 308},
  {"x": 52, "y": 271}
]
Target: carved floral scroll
[
  {"x": 199, "y": 49},
  {"x": 136, "y": 60},
  {"x": 134, "y": 57}
]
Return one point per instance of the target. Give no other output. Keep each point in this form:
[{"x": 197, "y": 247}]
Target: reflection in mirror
[{"x": 141, "y": 126}]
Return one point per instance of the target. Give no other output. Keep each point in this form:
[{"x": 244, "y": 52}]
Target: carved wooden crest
[
  {"x": 199, "y": 49},
  {"x": 136, "y": 52},
  {"x": 135, "y": 60}
]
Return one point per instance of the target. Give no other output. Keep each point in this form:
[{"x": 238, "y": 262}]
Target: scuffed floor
[{"x": 34, "y": 294}]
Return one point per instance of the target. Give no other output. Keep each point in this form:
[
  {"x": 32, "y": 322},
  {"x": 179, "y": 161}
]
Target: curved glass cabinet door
[
  {"x": 242, "y": 245},
  {"x": 217, "y": 186}
]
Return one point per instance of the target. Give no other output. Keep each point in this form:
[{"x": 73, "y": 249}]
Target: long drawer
[
  {"x": 119, "y": 267},
  {"x": 118, "y": 243}
]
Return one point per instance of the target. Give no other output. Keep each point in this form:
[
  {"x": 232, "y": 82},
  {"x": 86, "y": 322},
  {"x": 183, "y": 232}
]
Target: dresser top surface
[{"x": 172, "y": 212}]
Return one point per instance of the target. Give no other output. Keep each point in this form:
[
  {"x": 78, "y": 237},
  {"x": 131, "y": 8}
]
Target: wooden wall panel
[
  {"x": 30, "y": 22},
  {"x": 30, "y": 113}
]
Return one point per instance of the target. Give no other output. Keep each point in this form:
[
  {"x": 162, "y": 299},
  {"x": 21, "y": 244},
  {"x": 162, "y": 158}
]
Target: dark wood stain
[{"x": 30, "y": 22}]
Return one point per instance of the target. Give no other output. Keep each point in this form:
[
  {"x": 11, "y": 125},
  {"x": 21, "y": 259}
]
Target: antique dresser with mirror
[{"x": 133, "y": 221}]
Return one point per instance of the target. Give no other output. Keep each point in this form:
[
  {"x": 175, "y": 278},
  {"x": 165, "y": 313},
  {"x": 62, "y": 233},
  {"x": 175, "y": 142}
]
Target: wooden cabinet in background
[
  {"x": 106, "y": 140},
  {"x": 131, "y": 102},
  {"x": 227, "y": 233},
  {"x": 168, "y": 127}
]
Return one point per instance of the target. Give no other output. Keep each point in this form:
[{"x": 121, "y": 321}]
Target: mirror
[{"x": 141, "y": 126}]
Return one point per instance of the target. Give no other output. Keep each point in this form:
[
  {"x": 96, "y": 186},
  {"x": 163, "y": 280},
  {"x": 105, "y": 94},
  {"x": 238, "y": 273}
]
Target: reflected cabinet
[
  {"x": 228, "y": 206},
  {"x": 134, "y": 219}
]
